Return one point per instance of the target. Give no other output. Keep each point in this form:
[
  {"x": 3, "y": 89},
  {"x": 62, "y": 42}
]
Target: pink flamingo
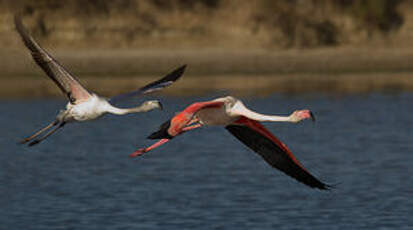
[{"x": 244, "y": 125}]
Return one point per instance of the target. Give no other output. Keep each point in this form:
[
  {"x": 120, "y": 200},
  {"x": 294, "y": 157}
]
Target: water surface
[{"x": 82, "y": 178}]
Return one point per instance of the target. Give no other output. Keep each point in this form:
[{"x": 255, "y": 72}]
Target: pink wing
[
  {"x": 175, "y": 126},
  {"x": 258, "y": 138},
  {"x": 195, "y": 107}
]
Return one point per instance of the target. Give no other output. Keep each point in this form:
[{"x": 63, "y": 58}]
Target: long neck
[
  {"x": 262, "y": 117},
  {"x": 240, "y": 109},
  {"x": 120, "y": 111}
]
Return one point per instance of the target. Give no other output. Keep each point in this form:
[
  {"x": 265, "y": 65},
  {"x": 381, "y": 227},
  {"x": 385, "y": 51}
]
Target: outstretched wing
[
  {"x": 258, "y": 138},
  {"x": 63, "y": 79},
  {"x": 166, "y": 81},
  {"x": 174, "y": 126}
]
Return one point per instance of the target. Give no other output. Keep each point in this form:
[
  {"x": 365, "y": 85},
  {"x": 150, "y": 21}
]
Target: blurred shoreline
[
  {"x": 240, "y": 47},
  {"x": 252, "y": 72}
]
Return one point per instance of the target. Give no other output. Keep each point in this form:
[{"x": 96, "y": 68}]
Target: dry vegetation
[
  {"x": 244, "y": 46},
  {"x": 207, "y": 23}
]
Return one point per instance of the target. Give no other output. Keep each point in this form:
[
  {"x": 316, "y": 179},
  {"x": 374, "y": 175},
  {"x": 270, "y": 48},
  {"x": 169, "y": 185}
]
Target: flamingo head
[
  {"x": 155, "y": 104},
  {"x": 300, "y": 115}
]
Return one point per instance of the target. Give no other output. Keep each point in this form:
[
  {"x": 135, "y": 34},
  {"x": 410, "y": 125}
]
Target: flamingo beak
[{"x": 312, "y": 116}]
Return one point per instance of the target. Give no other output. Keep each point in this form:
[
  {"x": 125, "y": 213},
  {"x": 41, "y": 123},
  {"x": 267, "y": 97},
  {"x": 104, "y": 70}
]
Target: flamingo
[
  {"x": 245, "y": 125},
  {"x": 83, "y": 105}
]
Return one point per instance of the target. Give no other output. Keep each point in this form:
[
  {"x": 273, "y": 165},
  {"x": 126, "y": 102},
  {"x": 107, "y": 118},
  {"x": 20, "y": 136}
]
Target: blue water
[{"x": 82, "y": 178}]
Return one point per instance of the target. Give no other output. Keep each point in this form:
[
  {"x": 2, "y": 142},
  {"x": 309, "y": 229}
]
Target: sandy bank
[
  {"x": 109, "y": 72},
  {"x": 259, "y": 85}
]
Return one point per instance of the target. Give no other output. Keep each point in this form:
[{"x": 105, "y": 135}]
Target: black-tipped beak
[
  {"x": 312, "y": 116},
  {"x": 160, "y": 105}
]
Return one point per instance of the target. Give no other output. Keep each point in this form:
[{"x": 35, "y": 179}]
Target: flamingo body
[
  {"x": 215, "y": 117},
  {"x": 244, "y": 125},
  {"x": 90, "y": 109}
]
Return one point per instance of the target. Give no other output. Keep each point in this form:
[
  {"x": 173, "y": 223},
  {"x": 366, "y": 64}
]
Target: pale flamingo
[
  {"x": 244, "y": 125},
  {"x": 84, "y": 105}
]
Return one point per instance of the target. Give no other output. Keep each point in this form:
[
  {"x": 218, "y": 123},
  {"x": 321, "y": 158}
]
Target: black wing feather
[
  {"x": 168, "y": 80},
  {"x": 274, "y": 155}
]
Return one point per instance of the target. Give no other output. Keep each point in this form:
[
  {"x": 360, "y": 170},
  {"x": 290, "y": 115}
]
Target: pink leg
[
  {"x": 144, "y": 150},
  {"x": 191, "y": 127},
  {"x": 161, "y": 142},
  {"x": 194, "y": 120}
]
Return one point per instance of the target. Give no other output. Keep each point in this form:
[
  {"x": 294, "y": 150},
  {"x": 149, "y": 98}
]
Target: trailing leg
[
  {"x": 27, "y": 139},
  {"x": 47, "y": 134}
]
